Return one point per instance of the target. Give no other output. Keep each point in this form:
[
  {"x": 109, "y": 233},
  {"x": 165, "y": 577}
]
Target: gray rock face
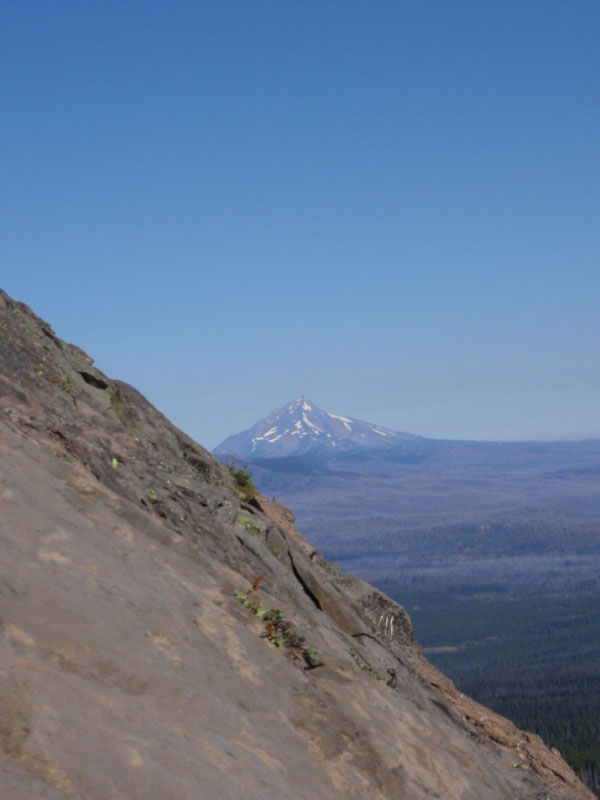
[
  {"x": 167, "y": 636},
  {"x": 302, "y": 427}
]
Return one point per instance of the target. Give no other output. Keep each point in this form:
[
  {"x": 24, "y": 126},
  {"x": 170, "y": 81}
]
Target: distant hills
[
  {"x": 301, "y": 427},
  {"x": 493, "y": 546},
  {"x": 371, "y": 497}
]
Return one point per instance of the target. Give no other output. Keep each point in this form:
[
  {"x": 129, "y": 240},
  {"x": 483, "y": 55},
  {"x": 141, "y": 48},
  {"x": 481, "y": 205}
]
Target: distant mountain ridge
[{"x": 301, "y": 427}]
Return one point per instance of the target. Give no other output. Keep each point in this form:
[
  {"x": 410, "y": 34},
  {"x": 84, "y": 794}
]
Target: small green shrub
[
  {"x": 276, "y": 637},
  {"x": 243, "y": 479},
  {"x": 277, "y": 631},
  {"x": 311, "y": 658},
  {"x": 293, "y": 637},
  {"x": 253, "y": 603}
]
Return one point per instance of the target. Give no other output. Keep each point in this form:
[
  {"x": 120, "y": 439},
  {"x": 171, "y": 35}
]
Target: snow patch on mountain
[
  {"x": 345, "y": 421},
  {"x": 301, "y": 427}
]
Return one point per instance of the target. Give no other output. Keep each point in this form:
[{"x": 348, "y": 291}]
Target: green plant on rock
[
  {"x": 257, "y": 608},
  {"x": 312, "y": 658},
  {"x": 62, "y": 456},
  {"x": 277, "y": 630},
  {"x": 293, "y": 637},
  {"x": 253, "y": 603},
  {"x": 276, "y": 637},
  {"x": 242, "y": 479}
]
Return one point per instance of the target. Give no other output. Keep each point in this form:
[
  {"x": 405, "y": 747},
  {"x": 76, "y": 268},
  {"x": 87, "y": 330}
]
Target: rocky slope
[
  {"x": 302, "y": 427},
  {"x": 167, "y": 635}
]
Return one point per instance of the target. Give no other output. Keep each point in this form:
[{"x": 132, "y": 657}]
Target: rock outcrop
[{"x": 168, "y": 634}]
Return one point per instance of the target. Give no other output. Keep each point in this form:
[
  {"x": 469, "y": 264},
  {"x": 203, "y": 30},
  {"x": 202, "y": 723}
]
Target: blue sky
[{"x": 390, "y": 207}]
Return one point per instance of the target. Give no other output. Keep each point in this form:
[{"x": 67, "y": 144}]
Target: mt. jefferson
[{"x": 301, "y": 427}]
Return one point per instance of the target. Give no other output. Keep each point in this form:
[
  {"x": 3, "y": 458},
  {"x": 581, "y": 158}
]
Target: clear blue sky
[{"x": 392, "y": 207}]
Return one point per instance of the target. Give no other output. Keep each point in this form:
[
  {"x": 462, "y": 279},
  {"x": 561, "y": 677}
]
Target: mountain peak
[
  {"x": 301, "y": 402},
  {"x": 301, "y": 426}
]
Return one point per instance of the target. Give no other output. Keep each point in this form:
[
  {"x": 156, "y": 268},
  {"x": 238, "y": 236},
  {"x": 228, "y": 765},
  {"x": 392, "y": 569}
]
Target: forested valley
[{"x": 531, "y": 653}]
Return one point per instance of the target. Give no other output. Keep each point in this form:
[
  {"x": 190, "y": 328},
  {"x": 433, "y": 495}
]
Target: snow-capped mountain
[{"x": 301, "y": 427}]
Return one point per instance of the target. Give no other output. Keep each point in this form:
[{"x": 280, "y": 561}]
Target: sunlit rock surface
[{"x": 165, "y": 634}]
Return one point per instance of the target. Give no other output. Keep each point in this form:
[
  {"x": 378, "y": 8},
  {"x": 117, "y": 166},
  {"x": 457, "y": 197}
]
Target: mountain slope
[
  {"x": 301, "y": 427},
  {"x": 137, "y": 660}
]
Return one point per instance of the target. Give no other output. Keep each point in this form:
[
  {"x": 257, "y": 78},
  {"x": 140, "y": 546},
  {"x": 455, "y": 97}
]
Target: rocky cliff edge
[{"x": 167, "y": 633}]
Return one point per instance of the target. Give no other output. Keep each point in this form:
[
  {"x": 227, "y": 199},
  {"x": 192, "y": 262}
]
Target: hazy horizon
[{"x": 367, "y": 420}]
